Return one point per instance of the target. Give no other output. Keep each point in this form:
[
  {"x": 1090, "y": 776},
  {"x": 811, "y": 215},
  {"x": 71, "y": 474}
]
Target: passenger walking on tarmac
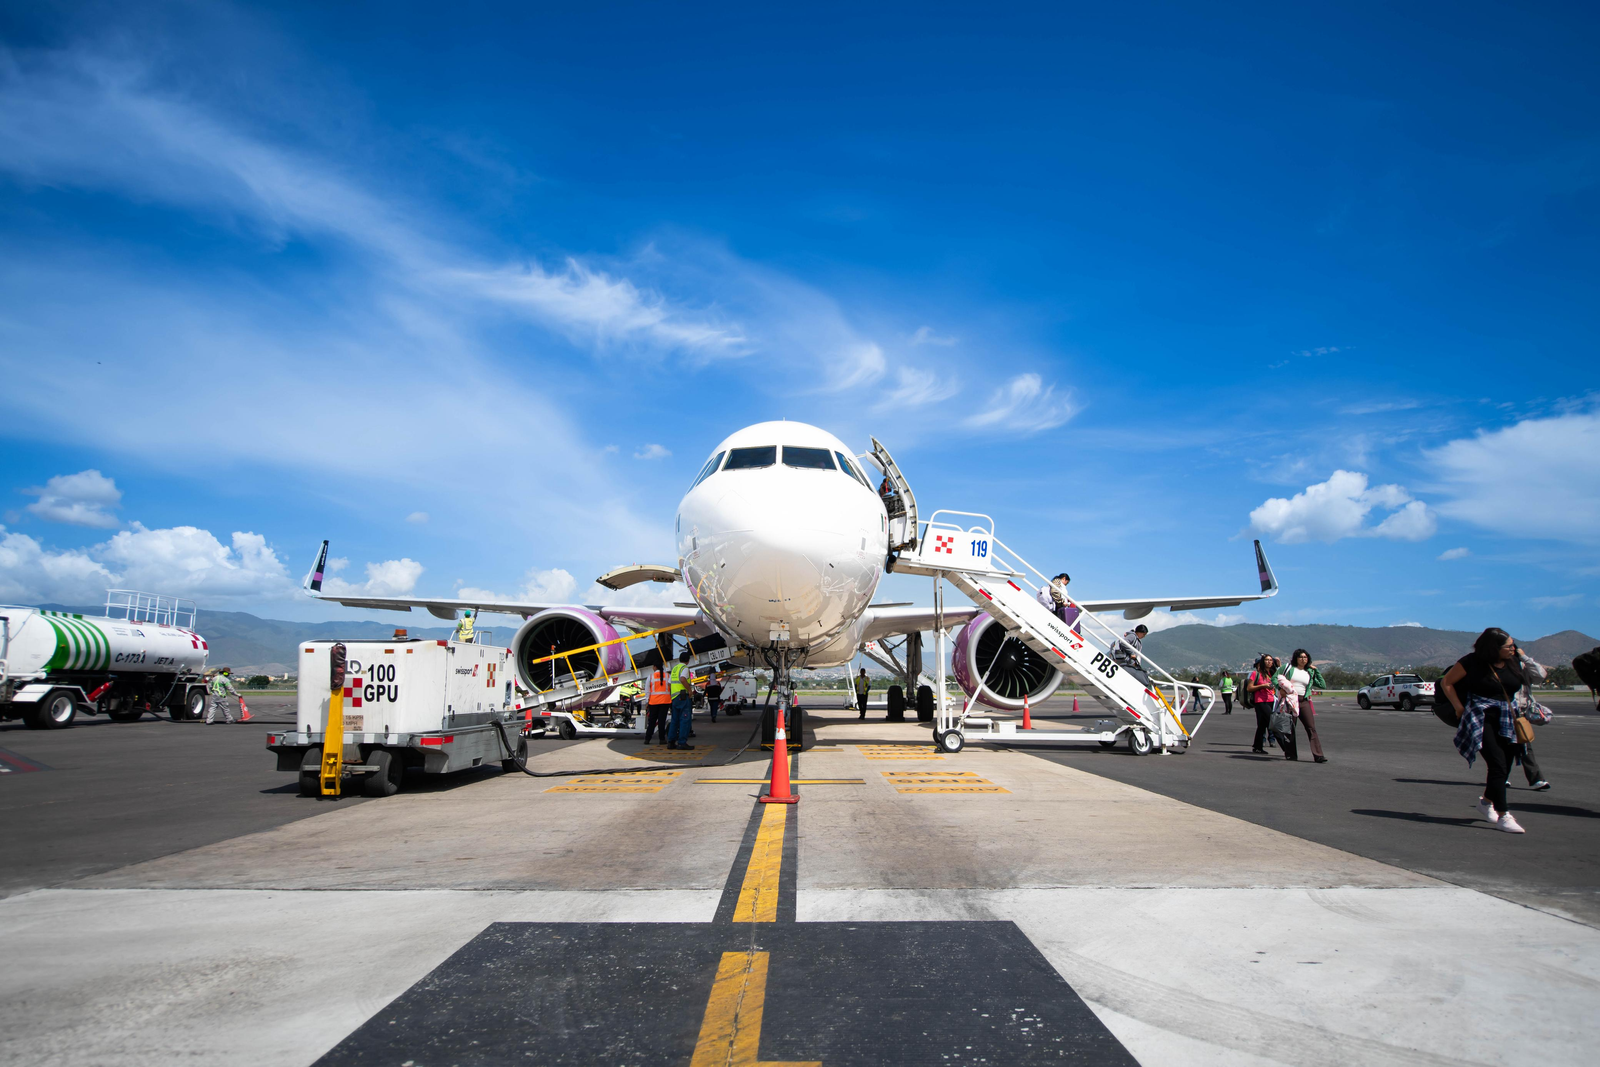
[
  {"x": 1126, "y": 654},
  {"x": 1259, "y": 691},
  {"x": 221, "y": 688},
  {"x": 1294, "y": 684},
  {"x": 657, "y": 701},
  {"x": 1532, "y": 671},
  {"x": 862, "y": 685},
  {"x": 464, "y": 628},
  {"x": 1055, "y": 600},
  {"x": 1479, "y": 687},
  {"x": 682, "y": 702},
  {"x": 1225, "y": 687}
]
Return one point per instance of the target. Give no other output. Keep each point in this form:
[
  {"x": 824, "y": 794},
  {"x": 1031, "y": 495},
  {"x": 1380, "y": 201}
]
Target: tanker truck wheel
[
  {"x": 55, "y": 712},
  {"x": 194, "y": 705}
]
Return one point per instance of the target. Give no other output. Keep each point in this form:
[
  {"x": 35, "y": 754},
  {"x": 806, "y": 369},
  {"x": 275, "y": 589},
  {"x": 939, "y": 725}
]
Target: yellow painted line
[
  {"x": 952, "y": 789},
  {"x": 604, "y": 789},
  {"x": 730, "y": 1035},
  {"x": 926, "y": 774},
  {"x": 792, "y": 781},
  {"x": 904, "y": 757},
  {"x": 758, "y": 896}
]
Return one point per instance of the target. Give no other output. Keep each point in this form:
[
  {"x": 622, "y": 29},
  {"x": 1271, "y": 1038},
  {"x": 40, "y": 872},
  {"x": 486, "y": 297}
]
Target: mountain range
[{"x": 1356, "y": 647}]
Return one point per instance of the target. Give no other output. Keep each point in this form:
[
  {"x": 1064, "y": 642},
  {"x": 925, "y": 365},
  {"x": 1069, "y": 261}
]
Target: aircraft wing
[
  {"x": 891, "y": 622},
  {"x": 447, "y": 608},
  {"x": 1138, "y": 608}
]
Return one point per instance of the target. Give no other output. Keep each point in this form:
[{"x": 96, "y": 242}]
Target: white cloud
[
  {"x": 1414, "y": 522},
  {"x": 32, "y": 574},
  {"x": 915, "y": 388},
  {"x": 1393, "y": 625},
  {"x": 926, "y": 336},
  {"x": 1542, "y": 602},
  {"x": 392, "y": 577},
  {"x": 82, "y": 499},
  {"x": 1455, "y": 553},
  {"x": 417, "y": 518},
  {"x": 180, "y": 561},
  {"x": 552, "y": 586},
  {"x": 652, "y": 452},
  {"x": 1024, "y": 405},
  {"x": 1339, "y": 508},
  {"x": 190, "y": 561},
  {"x": 1539, "y": 478},
  {"x": 1166, "y": 620}
]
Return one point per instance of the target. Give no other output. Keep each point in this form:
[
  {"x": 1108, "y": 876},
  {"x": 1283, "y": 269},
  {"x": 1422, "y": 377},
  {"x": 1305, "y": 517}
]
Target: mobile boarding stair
[{"x": 1144, "y": 710}]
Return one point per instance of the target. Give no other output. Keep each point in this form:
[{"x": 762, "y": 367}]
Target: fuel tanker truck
[{"x": 141, "y": 655}]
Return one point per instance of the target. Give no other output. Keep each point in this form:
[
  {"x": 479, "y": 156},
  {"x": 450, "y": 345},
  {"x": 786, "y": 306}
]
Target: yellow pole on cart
[{"x": 333, "y": 728}]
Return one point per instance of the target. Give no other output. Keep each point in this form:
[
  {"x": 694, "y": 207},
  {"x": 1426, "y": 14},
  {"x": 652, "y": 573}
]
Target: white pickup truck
[{"x": 1404, "y": 691}]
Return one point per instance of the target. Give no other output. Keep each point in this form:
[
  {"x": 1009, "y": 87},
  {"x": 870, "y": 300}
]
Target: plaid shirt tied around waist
[{"x": 1469, "y": 735}]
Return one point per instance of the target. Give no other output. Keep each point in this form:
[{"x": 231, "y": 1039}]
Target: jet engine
[
  {"x": 559, "y": 630},
  {"x": 1008, "y": 669}
]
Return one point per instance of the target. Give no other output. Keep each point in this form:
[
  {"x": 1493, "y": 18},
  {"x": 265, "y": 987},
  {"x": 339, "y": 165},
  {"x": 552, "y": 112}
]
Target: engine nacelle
[
  {"x": 1020, "y": 671},
  {"x": 560, "y": 630}
]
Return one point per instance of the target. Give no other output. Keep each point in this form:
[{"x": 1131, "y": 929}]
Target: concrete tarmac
[{"x": 996, "y": 906}]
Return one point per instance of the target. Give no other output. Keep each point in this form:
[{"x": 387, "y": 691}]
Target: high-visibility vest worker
[
  {"x": 464, "y": 628},
  {"x": 656, "y": 688},
  {"x": 680, "y": 678}
]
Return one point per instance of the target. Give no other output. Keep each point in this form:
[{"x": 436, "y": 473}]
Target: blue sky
[{"x": 473, "y": 293}]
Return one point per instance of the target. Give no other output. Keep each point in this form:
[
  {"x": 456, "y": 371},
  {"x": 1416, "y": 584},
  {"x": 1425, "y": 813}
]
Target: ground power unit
[{"x": 428, "y": 707}]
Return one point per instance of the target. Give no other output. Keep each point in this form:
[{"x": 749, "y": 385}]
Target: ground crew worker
[
  {"x": 682, "y": 702},
  {"x": 657, "y": 701},
  {"x": 464, "y": 628},
  {"x": 862, "y": 685},
  {"x": 221, "y": 688},
  {"x": 1226, "y": 688},
  {"x": 714, "y": 695}
]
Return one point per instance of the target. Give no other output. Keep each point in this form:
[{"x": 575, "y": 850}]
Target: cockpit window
[
  {"x": 743, "y": 459},
  {"x": 850, "y": 469},
  {"x": 816, "y": 459},
  {"x": 709, "y": 468}
]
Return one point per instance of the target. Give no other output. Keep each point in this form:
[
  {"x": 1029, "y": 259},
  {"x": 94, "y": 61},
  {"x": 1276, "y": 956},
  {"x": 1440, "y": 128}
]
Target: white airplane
[{"x": 782, "y": 542}]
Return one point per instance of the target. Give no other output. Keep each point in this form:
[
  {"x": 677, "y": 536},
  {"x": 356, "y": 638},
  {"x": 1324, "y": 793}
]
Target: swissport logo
[{"x": 944, "y": 543}]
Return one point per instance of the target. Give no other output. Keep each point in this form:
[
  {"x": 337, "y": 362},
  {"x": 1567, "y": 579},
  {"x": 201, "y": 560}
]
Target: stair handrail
[{"x": 1108, "y": 636}]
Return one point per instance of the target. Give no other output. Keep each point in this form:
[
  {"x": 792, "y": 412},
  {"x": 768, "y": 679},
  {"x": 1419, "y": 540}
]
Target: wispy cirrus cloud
[{"x": 1025, "y": 404}]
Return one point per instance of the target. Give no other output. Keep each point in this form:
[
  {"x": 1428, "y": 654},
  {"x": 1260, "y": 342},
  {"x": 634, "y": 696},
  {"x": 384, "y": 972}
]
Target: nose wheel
[{"x": 950, "y": 741}]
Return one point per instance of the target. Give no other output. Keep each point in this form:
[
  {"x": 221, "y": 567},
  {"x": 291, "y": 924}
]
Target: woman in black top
[{"x": 1482, "y": 687}]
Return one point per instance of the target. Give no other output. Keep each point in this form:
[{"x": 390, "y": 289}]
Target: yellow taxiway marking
[
  {"x": 792, "y": 781},
  {"x": 758, "y": 897},
  {"x": 632, "y": 782},
  {"x": 941, "y": 782},
  {"x": 662, "y": 754},
  {"x": 730, "y": 1036},
  {"x": 898, "y": 752}
]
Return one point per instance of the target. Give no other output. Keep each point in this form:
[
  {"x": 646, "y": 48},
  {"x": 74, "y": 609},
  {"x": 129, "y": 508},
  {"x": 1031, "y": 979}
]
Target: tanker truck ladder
[{"x": 1141, "y": 696}]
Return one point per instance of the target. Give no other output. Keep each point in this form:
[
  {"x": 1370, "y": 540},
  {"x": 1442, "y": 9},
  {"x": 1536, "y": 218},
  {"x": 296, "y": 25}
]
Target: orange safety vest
[{"x": 656, "y": 688}]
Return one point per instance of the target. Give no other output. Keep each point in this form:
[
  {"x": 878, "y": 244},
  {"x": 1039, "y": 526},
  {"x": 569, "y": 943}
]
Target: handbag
[
  {"x": 1537, "y": 713},
  {"x": 1281, "y": 722},
  {"x": 1523, "y": 729}
]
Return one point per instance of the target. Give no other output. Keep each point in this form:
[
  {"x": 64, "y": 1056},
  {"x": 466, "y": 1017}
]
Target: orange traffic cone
[
  {"x": 244, "y": 712},
  {"x": 778, "y": 792},
  {"x": 1027, "y": 719}
]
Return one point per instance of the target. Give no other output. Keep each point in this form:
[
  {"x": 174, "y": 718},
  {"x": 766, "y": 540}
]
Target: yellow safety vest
[
  {"x": 464, "y": 630},
  {"x": 678, "y": 683}
]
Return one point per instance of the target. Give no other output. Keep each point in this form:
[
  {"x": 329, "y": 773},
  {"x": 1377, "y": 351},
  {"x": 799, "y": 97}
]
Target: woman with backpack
[
  {"x": 1481, "y": 687},
  {"x": 1258, "y": 694}
]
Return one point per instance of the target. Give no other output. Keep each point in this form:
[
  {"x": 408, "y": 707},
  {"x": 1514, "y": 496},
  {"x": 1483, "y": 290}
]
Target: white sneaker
[
  {"x": 1486, "y": 810},
  {"x": 1509, "y": 825}
]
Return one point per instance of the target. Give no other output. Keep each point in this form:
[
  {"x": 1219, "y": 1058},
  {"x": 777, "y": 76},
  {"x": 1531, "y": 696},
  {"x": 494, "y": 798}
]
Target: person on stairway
[
  {"x": 1055, "y": 600},
  {"x": 1126, "y": 654}
]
